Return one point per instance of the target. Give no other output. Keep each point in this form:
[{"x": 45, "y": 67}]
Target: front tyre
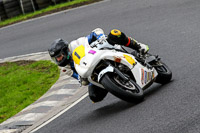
[
  {"x": 128, "y": 91},
  {"x": 164, "y": 73}
]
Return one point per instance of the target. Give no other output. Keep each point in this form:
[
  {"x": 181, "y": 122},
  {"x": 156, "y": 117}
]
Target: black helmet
[{"x": 59, "y": 52}]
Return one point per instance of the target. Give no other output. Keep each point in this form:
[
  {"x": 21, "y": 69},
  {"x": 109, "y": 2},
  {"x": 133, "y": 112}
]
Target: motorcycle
[{"x": 125, "y": 75}]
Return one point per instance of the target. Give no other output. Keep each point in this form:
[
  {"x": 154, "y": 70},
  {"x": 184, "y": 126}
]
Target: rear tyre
[
  {"x": 130, "y": 91},
  {"x": 164, "y": 73}
]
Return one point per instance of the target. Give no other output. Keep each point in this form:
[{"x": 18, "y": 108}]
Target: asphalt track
[{"x": 171, "y": 29}]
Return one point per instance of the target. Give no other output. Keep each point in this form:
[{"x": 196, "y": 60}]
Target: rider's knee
[{"x": 96, "y": 93}]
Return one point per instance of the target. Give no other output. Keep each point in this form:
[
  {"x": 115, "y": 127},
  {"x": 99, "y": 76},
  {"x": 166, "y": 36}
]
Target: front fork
[{"x": 111, "y": 68}]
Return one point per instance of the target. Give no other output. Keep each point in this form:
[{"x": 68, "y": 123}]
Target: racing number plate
[{"x": 78, "y": 54}]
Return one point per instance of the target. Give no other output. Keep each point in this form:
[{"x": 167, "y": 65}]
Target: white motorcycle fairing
[{"x": 92, "y": 56}]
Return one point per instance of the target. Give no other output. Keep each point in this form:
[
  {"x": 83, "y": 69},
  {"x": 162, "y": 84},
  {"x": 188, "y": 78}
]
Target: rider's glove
[
  {"x": 95, "y": 35},
  {"x": 143, "y": 48},
  {"x": 98, "y": 31}
]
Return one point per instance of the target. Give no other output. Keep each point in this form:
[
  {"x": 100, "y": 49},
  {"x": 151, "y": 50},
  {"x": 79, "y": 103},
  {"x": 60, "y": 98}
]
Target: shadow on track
[
  {"x": 110, "y": 109},
  {"x": 156, "y": 87},
  {"x": 113, "y": 108}
]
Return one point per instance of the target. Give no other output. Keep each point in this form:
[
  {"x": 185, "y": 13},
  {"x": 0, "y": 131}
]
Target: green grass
[
  {"x": 45, "y": 11},
  {"x": 22, "y": 83}
]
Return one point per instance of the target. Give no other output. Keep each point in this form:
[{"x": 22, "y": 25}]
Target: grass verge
[
  {"x": 22, "y": 83},
  {"x": 48, "y": 10}
]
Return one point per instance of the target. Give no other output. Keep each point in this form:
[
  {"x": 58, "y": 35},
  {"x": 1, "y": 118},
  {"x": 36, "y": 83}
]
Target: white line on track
[
  {"x": 53, "y": 118},
  {"x": 26, "y": 55}
]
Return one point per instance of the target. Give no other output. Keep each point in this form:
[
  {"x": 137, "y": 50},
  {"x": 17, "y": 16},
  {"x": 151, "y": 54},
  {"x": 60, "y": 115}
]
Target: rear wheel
[
  {"x": 125, "y": 90},
  {"x": 164, "y": 73}
]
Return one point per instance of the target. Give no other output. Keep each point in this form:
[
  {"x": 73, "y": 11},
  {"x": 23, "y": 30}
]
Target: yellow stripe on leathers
[{"x": 78, "y": 54}]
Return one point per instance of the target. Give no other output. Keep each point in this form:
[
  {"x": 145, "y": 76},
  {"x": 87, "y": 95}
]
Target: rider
[{"x": 61, "y": 53}]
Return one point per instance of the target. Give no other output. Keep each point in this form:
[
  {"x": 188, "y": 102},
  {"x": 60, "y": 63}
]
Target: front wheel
[
  {"x": 125, "y": 90},
  {"x": 164, "y": 73}
]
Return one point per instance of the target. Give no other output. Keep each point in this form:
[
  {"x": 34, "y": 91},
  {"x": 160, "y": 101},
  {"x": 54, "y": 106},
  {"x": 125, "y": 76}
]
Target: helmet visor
[{"x": 60, "y": 58}]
